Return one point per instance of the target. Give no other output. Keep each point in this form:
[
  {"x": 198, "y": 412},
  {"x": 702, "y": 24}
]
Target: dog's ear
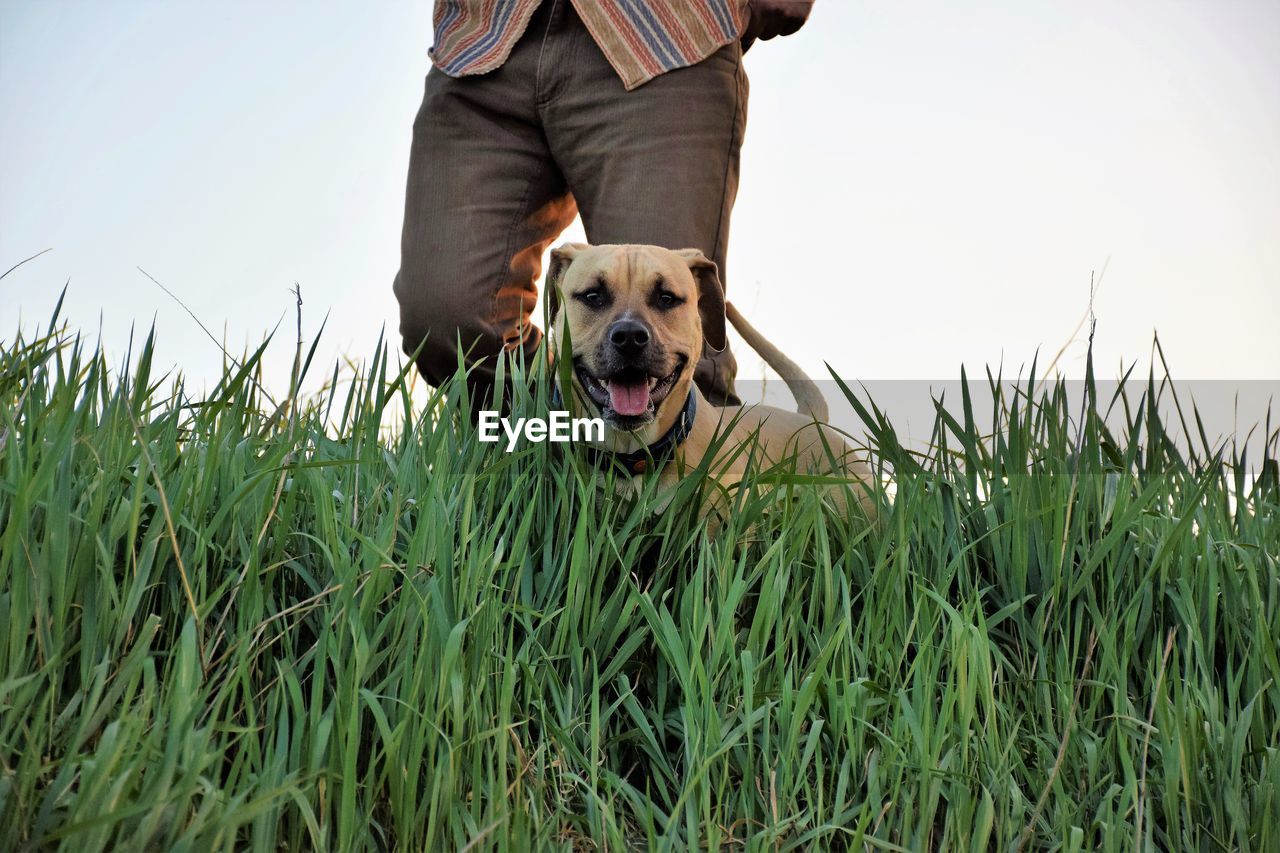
[
  {"x": 561, "y": 257},
  {"x": 710, "y": 297}
]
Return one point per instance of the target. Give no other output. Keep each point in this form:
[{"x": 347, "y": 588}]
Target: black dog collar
[{"x": 639, "y": 461}]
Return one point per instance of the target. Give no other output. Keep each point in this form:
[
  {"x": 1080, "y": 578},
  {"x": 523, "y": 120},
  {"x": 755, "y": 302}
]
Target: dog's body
[{"x": 637, "y": 318}]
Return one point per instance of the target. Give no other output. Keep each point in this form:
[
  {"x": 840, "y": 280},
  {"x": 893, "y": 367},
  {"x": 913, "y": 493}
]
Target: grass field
[{"x": 226, "y": 627}]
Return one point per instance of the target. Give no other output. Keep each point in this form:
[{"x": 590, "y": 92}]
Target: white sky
[{"x": 924, "y": 184}]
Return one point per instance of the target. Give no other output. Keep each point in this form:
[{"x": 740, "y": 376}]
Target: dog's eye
[
  {"x": 668, "y": 300},
  {"x": 593, "y": 297}
]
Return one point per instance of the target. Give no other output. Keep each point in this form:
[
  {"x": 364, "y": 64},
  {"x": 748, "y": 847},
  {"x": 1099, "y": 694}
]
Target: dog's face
[{"x": 637, "y": 317}]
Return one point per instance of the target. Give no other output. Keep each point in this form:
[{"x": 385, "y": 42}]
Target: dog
[{"x": 636, "y": 319}]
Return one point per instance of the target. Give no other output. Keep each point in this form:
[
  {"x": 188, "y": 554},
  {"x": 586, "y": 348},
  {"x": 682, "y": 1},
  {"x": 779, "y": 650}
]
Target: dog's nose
[{"x": 629, "y": 337}]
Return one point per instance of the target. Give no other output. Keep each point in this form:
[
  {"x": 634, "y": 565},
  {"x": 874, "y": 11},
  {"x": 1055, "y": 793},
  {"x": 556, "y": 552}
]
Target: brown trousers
[{"x": 501, "y": 163}]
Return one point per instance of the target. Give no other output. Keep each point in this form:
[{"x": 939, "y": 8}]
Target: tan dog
[{"x": 637, "y": 318}]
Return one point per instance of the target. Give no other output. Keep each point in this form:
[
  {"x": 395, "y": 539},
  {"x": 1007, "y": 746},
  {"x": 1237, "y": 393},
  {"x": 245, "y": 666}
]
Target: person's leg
[
  {"x": 484, "y": 200},
  {"x": 656, "y": 165}
]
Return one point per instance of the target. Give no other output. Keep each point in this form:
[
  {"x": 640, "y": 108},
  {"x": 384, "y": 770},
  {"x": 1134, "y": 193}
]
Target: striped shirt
[{"x": 640, "y": 38}]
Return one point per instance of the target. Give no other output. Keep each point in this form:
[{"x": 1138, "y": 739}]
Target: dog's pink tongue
[{"x": 629, "y": 398}]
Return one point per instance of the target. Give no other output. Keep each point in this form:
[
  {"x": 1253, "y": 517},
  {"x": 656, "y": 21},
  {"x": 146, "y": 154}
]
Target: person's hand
[{"x": 771, "y": 18}]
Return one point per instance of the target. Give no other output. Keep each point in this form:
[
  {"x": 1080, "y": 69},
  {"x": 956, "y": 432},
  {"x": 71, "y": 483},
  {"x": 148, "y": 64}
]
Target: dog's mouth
[{"x": 628, "y": 397}]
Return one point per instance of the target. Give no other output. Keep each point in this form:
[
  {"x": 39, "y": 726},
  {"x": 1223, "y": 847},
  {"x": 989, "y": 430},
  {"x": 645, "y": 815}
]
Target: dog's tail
[{"x": 809, "y": 400}]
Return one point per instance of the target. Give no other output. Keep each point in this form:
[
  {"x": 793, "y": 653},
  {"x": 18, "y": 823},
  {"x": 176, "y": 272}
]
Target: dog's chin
[{"x": 629, "y": 398}]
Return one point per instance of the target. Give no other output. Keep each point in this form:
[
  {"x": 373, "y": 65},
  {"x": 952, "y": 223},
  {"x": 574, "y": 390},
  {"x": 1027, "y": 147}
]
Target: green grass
[{"x": 223, "y": 627}]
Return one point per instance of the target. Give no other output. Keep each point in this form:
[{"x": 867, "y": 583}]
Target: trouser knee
[{"x": 434, "y": 330}]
